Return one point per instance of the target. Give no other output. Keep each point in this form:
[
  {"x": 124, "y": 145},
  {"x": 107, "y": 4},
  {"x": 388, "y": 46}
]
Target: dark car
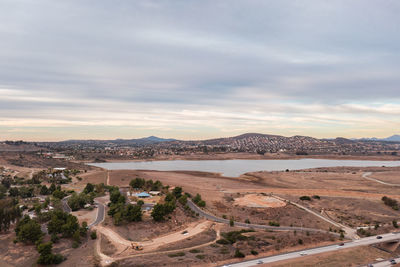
[
  {"x": 341, "y": 244},
  {"x": 379, "y": 237},
  {"x": 393, "y": 262}
]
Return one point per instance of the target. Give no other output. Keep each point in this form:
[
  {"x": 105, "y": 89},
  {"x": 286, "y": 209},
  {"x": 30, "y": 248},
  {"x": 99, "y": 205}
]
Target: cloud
[{"x": 186, "y": 66}]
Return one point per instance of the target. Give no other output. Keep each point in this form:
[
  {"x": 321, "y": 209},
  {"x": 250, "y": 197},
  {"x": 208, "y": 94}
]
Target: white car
[{"x": 303, "y": 253}]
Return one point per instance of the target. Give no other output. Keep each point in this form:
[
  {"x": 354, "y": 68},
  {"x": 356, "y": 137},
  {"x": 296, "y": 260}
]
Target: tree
[
  {"x": 52, "y": 188},
  {"x": 44, "y": 190},
  {"x": 83, "y": 230},
  {"x": 183, "y": 200},
  {"x": 58, "y": 194},
  {"x": 231, "y": 222},
  {"x": 93, "y": 235},
  {"x": 133, "y": 213},
  {"x": 89, "y": 188},
  {"x": 197, "y": 198},
  {"x": 28, "y": 230},
  {"x": 9, "y": 212},
  {"x": 158, "y": 212},
  {"x": 177, "y": 192},
  {"x": 46, "y": 256},
  {"x": 13, "y": 192}
]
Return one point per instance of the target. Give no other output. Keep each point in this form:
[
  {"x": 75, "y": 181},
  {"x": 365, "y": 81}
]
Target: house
[
  {"x": 154, "y": 193},
  {"x": 143, "y": 195}
]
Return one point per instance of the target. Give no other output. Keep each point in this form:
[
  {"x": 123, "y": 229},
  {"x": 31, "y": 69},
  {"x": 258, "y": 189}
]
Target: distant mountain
[
  {"x": 393, "y": 138},
  {"x": 155, "y": 139}
]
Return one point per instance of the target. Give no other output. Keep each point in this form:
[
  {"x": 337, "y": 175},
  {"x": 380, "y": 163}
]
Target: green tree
[
  {"x": 89, "y": 188},
  {"x": 158, "y": 212},
  {"x": 28, "y": 230},
  {"x": 177, "y": 192},
  {"x": 46, "y": 256}
]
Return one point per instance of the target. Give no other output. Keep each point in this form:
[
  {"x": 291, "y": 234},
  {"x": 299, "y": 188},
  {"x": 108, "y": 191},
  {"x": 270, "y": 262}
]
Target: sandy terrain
[{"x": 258, "y": 201}]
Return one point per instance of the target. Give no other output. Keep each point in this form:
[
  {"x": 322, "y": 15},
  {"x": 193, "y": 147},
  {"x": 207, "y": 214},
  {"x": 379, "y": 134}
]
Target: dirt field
[
  {"x": 346, "y": 257},
  {"x": 265, "y": 243},
  {"x": 258, "y": 201},
  {"x": 353, "y": 212},
  {"x": 389, "y": 177}
]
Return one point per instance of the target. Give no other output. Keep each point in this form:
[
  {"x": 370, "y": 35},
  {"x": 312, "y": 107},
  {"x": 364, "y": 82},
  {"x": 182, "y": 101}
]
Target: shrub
[
  {"x": 300, "y": 241},
  {"x": 395, "y": 225},
  {"x": 272, "y": 223},
  {"x": 75, "y": 244},
  {"x": 231, "y": 222},
  {"x": 222, "y": 241},
  {"x": 305, "y": 198},
  {"x": 200, "y": 257},
  {"x": 239, "y": 254},
  {"x": 316, "y": 197},
  {"x": 178, "y": 254},
  {"x": 195, "y": 251},
  {"x": 247, "y": 221},
  {"x": 93, "y": 235},
  {"x": 253, "y": 252}
]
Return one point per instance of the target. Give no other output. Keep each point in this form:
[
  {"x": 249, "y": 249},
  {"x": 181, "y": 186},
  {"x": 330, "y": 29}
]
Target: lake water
[{"x": 234, "y": 168}]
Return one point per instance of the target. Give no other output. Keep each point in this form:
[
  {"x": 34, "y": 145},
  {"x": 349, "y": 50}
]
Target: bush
[
  {"x": 253, "y": 252},
  {"x": 200, "y": 257},
  {"x": 239, "y": 254},
  {"x": 305, "y": 198},
  {"x": 195, "y": 251},
  {"x": 300, "y": 241},
  {"x": 231, "y": 222},
  {"x": 223, "y": 242},
  {"x": 93, "y": 235},
  {"x": 75, "y": 244},
  {"x": 272, "y": 223},
  {"x": 178, "y": 254},
  {"x": 316, "y": 197},
  {"x": 390, "y": 202},
  {"x": 247, "y": 221},
  {"x": 395, "y": 225}
]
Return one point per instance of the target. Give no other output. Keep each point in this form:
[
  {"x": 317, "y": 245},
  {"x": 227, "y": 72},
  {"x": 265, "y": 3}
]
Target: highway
[
  {"x": 385, "y": 263},
  {"x": 298, "y": 254},
  {"x": 211, "y": 217}
]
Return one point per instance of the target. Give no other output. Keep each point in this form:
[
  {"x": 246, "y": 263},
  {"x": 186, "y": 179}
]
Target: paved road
[
  {"x": 298, "y": 254},
  {"x": 100, "y": 215},
  {"x": 65, "y": 206},
  {"x": 385, "y": 263},
  {"x": 367, "y": 174},
  {"x": 211, "y": 217}
]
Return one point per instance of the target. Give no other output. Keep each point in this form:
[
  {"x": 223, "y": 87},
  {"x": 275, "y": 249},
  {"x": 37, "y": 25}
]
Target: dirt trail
[
  {"x": 122, "y": 245},
  {"x": 320, "y": 192}
]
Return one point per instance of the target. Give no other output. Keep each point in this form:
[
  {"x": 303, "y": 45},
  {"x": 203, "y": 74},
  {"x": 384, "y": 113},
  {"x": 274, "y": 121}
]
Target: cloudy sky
[{"x": 198, "y": 69}]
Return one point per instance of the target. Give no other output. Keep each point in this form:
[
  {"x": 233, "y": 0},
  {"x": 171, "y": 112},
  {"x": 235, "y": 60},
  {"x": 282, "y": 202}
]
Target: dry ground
[
  {"x": 346, "y": 257},
  {"x": 265, "y": 243}
]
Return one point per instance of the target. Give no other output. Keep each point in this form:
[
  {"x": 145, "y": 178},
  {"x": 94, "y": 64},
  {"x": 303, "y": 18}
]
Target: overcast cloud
[{"x": 198, "y": 69}]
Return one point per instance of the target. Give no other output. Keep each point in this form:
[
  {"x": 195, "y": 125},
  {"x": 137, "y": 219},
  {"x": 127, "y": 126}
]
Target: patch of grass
[
  {"x": 201, "y": 256},
  {"x": 178, "y": 254},
  {"x": 195, "y": 251}
]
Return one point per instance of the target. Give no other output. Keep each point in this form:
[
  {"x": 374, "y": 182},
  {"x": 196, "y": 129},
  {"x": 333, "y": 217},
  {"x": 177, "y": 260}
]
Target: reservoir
[{"x": 234, "y": 168}]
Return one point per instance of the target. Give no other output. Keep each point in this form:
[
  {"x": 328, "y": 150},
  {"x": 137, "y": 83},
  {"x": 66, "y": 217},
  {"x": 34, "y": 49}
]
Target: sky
[{"x": 97, "y": 69}]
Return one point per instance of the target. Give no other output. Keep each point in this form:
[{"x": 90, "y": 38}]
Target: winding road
[{"x": 299, "y": 254}]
